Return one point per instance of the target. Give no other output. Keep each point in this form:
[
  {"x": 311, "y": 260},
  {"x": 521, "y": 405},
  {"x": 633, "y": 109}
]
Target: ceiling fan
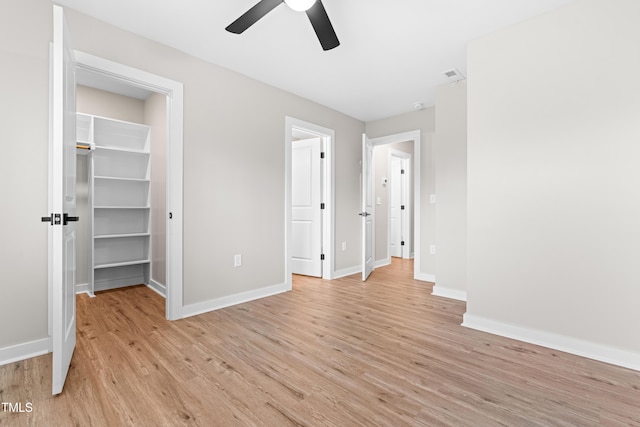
[{"x": 314, "y": 9}]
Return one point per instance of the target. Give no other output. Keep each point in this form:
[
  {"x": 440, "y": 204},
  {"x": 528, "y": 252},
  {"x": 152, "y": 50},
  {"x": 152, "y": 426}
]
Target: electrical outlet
[
  {"x": 432, "y": 249},
  {"x": 237, "y": 260}
]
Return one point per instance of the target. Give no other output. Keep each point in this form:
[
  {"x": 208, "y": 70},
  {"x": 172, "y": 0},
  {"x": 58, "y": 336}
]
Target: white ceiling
[{"x": 392, "y": 53}]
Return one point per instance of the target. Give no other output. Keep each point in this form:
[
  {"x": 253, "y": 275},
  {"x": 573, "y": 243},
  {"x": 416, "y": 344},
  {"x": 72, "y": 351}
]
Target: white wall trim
[
  {"x": 425, "y": 277},
  {"x": 157, "y": 288},
  {"x": 338, "y": 274},
  {"x": 382, "y": 262},
  {"x": 456, "y": 294},
  {"x": 222, "y": 302},
  {"x": 173, "y": 90},
  {"x": 588, "y": 349},
  {"x": 82, "y": 288},
  {"x": 16, "y": 353}
]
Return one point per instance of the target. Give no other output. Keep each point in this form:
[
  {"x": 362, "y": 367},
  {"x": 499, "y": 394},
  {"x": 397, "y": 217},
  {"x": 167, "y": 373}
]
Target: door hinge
[
  {"x": 402, "y": 207},
  {"x": 402, "y": 243},
  {"x": 402, "y": 171},
  {"x": 321, "y": 205},
  {"x": 321, "y": 257},
  {"x": 322, "y": 154}
]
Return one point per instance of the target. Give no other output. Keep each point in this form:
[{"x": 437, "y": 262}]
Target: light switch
[{"x": 378, "y": 201}]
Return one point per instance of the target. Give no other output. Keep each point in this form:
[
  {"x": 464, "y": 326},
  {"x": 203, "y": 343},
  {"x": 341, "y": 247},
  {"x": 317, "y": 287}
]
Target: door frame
[
  {"x": 415, "y": 137},
  {"x": 173, "y": 90},
  {"x": 328, "y": 179}
]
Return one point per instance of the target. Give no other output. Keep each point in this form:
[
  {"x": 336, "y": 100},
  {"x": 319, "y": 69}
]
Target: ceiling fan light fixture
[{"x": 300, "y": 5}]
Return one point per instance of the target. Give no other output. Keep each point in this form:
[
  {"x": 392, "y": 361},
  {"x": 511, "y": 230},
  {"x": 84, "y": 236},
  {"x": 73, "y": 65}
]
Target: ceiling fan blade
[
  {"x": 253, "y": 15},
  {"x": 322, "y": 26}
]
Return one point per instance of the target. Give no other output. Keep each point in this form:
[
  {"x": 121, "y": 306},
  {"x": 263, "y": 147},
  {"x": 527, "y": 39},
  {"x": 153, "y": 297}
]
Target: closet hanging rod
[{"x": 83, "y": 146}]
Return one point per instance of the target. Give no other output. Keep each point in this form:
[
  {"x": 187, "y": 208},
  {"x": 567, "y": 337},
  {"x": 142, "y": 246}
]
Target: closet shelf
[
  {"x": 117, "y": 178},
  {"x": 120, "y": 199},
  {"x": 122, "y": 264},
  {"x": 122, "y": 207},
  {"x": 122, "y": 150},
  {"x": 116, "y": 236}
]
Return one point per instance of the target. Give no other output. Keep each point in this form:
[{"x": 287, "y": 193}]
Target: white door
[
  {"x": 306, "y": 213},
  {"x": 367, "y": 207},
  {"x": 395, "y": 206},
  {"x": 63, "y": 201}
]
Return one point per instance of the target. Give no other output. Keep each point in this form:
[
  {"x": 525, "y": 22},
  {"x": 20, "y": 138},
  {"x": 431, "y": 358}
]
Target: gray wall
[
  {"x": 25, "y": 33},
  {"x": 106, "y": 104},
  {"x": 234, "y": 156},
  {"x": 553, "y": 184},
  {"x": 451, "y": 190}
]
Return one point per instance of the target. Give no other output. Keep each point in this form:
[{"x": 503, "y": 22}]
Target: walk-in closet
[{"x": 121, "y": 188}]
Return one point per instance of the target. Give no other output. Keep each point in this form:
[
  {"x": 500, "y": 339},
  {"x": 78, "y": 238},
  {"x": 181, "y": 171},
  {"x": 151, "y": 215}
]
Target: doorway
[
  {"x": 411, "y": 139},
  {"x": 308, "y": 213},
  {"x": 118, "y": 78},
  {"x": 122, "y": 149}
]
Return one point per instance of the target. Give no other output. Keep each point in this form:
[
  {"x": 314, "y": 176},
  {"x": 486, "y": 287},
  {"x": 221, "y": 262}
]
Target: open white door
[
  {"x": 62, "y": 233},
  {"x": 367, "y": 207},
  {"x": 306, "y": 213}
]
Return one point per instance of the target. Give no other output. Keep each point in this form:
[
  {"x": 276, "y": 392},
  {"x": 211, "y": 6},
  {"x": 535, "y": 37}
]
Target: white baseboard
[
  {"x": 158, "y": 288},
  {"x": 82, "y": 288},
  {"x": 425, "y": 277},
  {"x": 16, "y": 353},
  {"x": 588, "y": 349},
  {"x": 456, "y": 294},
  {"x": 218, "y": 303},
  {"x": 338, "y": 274},
  {"x": 382, "y": 262}
]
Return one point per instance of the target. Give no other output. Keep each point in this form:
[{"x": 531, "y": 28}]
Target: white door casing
[
  {"x": 306, "y": 214},
  {"x": 62, "y": 233},
  {"x": 367, "y": 207}
]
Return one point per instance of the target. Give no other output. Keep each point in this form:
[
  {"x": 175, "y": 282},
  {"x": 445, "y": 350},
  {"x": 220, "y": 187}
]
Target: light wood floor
[{"x": 339, "y": 353}]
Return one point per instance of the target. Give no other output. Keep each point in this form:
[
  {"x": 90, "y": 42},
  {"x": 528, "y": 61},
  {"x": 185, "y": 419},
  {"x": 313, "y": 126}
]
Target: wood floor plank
[{"x": 328, "y": 353}]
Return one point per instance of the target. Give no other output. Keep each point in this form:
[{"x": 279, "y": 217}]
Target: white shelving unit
[{"x": 119, "y": 200}]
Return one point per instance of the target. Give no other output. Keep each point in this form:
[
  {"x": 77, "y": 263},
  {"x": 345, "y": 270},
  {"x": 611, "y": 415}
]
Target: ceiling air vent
[{"x": 453, "y": 75}]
